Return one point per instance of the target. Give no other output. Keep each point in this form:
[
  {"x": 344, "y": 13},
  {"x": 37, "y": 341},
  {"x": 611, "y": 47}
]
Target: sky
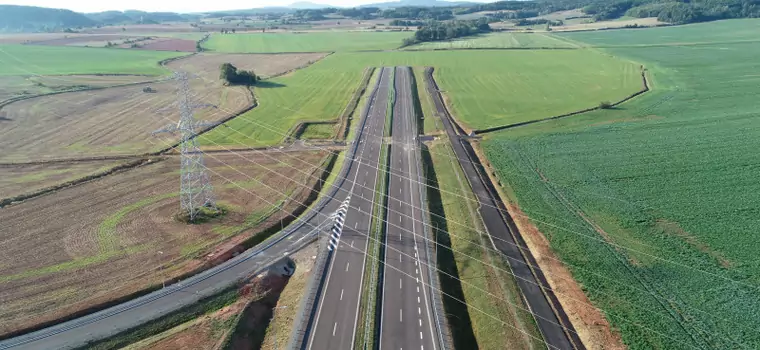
[{"x": 172, "y": 5}]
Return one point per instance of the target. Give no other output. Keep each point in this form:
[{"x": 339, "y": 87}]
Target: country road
[
  {"x": 407, "y": 321},
  {"x": 336, "y": 309}
]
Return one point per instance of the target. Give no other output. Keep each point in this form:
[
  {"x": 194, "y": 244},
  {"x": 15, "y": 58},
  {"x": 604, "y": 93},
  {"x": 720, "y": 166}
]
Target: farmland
[
  {"x": 527, "y": 82},
  {"x": 304, "y": 42},
  {"x": 120, "y": 120},
  {"x": 505, "y": 40},
  {"x": 123, "y": 237},
  {"x": 653, "y": 205},
  {"x": 53, "y": 60},
  {"x": 16, "y": 180}
]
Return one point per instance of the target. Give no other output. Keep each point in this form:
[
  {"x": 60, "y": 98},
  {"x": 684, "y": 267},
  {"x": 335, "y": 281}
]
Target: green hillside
[{"x": 32, "y": 19}]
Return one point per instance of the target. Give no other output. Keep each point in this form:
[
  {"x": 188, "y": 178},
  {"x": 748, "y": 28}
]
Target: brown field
[
  {"x": 84, "y": 40},
  {"x": 168, "y": 44},
  {"x": 17, "y": 86},
  {"x": 207, "y": 64},
  {"x": 20, "y": 179},
  {"x": 110, "y": 237},
  {"x": 120, "y": 120}
]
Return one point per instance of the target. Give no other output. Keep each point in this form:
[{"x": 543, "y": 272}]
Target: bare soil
[
  {"x": 20, "y": 179},
  {"x": 264, "y": 65},
  {"x": 169, "y": 44},
  {"x": 108, "y": 238}
]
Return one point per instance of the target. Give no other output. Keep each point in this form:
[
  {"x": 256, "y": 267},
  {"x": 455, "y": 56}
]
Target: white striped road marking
[
  {"x": 347, "y": 266},
  {"x": 399, "y": 257},
  {"x": 352, "y": 243},
  {"x": 419, "y": 311},
  {"x": 419, "y": 319},
  {"x": 418, "y": 289},
  {"x": 356, "y": 224},
  {"x": 417, "y": 271},
  {"x": 401, "y": 315},
  {"x": 420, "y": 335},
  {"x": 341, "y": 295},
  {"x": 334, "y": 327},
  {"x": 399, "y": 283},
  {"x": 418, "y": 299}
]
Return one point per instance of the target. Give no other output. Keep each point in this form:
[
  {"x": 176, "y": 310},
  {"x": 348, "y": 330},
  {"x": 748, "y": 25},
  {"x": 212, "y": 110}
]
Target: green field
[
  {"x": 735, "y": 30},
  {"x": 498, "y": 40},
  {"x": 58, "y": 60},
  {"x": 486, "y": 88},
  {"x": 304, "y": 42},
  {"x": 654, "y": 205}
]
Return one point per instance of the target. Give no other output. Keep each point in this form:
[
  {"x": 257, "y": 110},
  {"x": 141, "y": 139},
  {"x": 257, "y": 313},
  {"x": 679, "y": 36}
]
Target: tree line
[{"x": 437, "y": 31}]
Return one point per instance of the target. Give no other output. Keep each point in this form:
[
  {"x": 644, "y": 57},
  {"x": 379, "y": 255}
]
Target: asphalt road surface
[
  {"x": 406, "y": 321},
  {"x": 556, "y": 328},
  {"x": 334, "y": 324},
  {"x": 105, "y": 323}
]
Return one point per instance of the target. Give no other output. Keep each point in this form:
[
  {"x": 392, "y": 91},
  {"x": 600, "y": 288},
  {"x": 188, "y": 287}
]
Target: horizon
[{"x": 88, "y": 6}]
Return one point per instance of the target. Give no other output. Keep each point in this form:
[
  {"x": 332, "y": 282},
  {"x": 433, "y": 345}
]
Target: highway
[
  {"x": 556, "y": 328},
  {"x": 81, "y": 331},
  {"x": 406, "y": 321},
  {"x": 337, "y": 307}
]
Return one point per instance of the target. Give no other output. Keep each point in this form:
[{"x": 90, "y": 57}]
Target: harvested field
[
  {"x": 120, "y": 120},
  {"x": 169, "y": 44},
  {"x": 83, "y": 39},
  {"x": 25, "y": 38},
  {"x": 114, "y": 236},
  {"x": 208, "y": 64},
  {"x": 145, "y": 28},
  {"x": 18, "y": 86},
  {"x": 20, "y": 179}
]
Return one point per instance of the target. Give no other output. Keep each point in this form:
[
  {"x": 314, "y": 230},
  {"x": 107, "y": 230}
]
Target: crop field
[
  {"x": 737, "y": 30},
  {"x": 487, "y": 286},
  {"x": 117, "y": 235},
  {"x": 53, "y": 60},
  {"x": 20, "y": 179},
  {"x": 653, "y": 205},
  {"x": 526, "y": 81},
  {"x": 120, "y": 120},
  {"x": 304, "y": 42},
  {"x": 498, "y": 40}
]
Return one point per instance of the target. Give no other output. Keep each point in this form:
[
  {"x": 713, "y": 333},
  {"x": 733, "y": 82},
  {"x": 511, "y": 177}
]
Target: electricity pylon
[{"x": 195, "y": 191}]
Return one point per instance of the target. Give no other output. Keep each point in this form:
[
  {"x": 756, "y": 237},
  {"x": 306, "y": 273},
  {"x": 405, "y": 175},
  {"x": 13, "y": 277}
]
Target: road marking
[
  {"x": 418, "y": 299},
  {"x": 418, "y": 289},
  {"x": 347, "y": 266},
  {"x": 415, "y": 263},
  {"x": 341, "y": 295},
  {"x": 335, "y": 327},
  {"x": 399, "y": 257},
  {"x": 399, "y": 283},
  {"x": 417, "y": 271},
  {"x": 401, "y": 315},
  {"x": 352, "y": 243},
  {"x": 356, "y": 224},
  {"x": 420, "y": 335},
  {"x": 419, "y": 311},
  {"x": 399, "y": 218},
  {"x": 419, "y": 319},
  {"x": 418, "y": 280}
]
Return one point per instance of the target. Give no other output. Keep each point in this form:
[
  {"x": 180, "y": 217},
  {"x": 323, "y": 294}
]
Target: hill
[
  {"x": 15, "y": 18},
  {"x": 138, "y": 17},
  {"x": 419, "y": 3}
]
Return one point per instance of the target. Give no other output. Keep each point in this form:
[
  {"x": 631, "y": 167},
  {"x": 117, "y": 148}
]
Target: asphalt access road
[
  {"x": 334, "y": 324},
  {"x": 108, "y": 322},
  {"x": 557, "y": 330},
  {"x": 406, "y": 321}
]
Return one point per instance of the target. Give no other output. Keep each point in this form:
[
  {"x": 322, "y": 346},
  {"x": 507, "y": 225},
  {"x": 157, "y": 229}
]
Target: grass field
[
  {"x": 50, "y": 60},
  {"x": 498, "y": 40},
  {"x": 735, "y": 30},
  {"x": 487, "y": 287},
  {"x": 304, "y": 42},
  {"x": 653, "y": 205},
  {"x": 319, "y": 131},
  {"x": 486, "y": 89}
]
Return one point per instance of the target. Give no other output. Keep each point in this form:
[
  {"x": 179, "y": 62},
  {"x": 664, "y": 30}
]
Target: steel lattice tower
[{"x": 196, "y": 191}]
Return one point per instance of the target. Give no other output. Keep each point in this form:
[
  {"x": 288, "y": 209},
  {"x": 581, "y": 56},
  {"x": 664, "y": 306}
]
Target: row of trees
[
  {"x": 673, "y": 11},
  {"x": 233, "y": 76},
  {"x": 437, "y": 31}
]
